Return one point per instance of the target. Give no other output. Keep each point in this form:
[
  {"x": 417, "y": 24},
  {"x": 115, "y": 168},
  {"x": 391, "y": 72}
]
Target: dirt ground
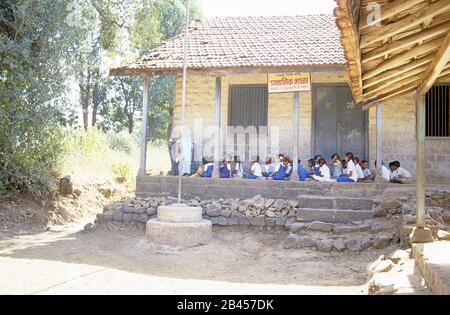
[{"x": 70, "y": 260}]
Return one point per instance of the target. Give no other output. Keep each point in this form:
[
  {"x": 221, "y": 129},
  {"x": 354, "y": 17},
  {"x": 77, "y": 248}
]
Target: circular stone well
[{"x": 179, "y": 225}]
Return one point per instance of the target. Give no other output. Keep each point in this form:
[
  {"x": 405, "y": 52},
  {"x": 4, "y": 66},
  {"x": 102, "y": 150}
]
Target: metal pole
[
  {"x": 379, "y": 156},
  {"x": 143, "y": 161},
  {"x": 183, "y": 92},
  {"x": 295, "y": 137},
  {"x": 217, "y": 134}
]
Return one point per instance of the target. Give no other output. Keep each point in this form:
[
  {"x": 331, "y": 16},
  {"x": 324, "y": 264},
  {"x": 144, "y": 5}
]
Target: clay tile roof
[{"x": 228, "y": 42}]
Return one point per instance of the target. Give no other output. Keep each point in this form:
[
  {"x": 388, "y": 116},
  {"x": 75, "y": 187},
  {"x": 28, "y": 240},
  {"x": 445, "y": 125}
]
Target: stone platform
[
  {"x": 216, "y": 188},
  {"x": 434, "y": 262}
]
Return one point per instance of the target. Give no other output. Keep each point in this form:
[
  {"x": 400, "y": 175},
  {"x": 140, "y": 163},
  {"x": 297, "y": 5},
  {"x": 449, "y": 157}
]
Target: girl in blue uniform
[
  {"x": 280, "y": 169},
  {"x": 225, "y": 168},
  {"x": 208, "y": 169}
]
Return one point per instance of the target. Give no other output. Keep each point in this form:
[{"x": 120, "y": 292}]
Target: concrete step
[
  {"x": 342, "y": 203},
  {"x": 333, "y": 215}
]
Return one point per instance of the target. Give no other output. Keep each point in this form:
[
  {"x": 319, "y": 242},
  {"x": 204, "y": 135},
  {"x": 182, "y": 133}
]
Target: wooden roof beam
[
  {"x": 444, "y": 79},
  {"x": 413, "y": 20},
  {"x": 398, "y": 92},
  {"x": 389, "y": 10},
  {"x": 442, "y": 57},
  {"x": 395, "y": 82},
  {"x": 403, "y": 57},
  {"x": 406, "y": 42},
  {"x": 402, "y": 70}
]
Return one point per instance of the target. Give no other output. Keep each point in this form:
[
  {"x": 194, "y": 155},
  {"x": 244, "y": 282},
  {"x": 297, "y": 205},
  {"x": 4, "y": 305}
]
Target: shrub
[
  {"x": 122, "y": 142},
  {"x": 121, "y": 172}
]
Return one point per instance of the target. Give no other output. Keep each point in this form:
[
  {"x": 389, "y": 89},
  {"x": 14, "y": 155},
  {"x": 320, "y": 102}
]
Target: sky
[{"x": 266, "y": 7}]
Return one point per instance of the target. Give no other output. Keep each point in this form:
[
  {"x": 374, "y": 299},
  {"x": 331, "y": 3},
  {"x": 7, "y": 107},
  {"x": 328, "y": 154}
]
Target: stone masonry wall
[{"x": 399, "y": 140}]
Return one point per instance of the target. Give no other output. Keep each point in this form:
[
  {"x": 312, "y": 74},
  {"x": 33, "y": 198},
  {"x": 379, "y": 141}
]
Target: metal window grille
[{"x": 438, "y": 111}]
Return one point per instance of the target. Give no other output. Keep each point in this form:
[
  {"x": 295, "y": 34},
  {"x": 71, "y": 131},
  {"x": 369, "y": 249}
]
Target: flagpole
[{"x": 183, "y": 91}]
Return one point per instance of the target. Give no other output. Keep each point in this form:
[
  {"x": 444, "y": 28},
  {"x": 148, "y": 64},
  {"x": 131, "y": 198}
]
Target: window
[
  {"x": 438, "y": 111},
  {"x": 248, "y": 106}
]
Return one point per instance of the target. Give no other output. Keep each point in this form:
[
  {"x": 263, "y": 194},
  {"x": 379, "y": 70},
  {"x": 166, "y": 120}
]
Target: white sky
[{"x": 266, "y": 7}]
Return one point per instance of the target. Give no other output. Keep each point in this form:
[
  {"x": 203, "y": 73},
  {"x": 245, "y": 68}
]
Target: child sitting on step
[
  {"x": 324, "y": 172},
  {"x": 255, "y": 169},
  {"x": 399, "y": 174},
  {"x": 279, "y": 173},
  {"x": 225, "y": 167},
  {"x": 208, "y": 167}
]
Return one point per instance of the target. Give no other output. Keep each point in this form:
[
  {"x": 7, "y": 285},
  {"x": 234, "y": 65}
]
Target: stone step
[
  {"x": 342, "y": 203},
  {"x": 333, "y": 215}
]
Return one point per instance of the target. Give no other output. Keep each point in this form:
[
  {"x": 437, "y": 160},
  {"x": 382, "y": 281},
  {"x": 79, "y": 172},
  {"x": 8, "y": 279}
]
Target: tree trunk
[
  {"x": 84, "y": 99},
  {"x": 130, "y": 124}
]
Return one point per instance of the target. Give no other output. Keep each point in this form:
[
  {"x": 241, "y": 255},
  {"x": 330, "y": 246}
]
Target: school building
[{"x": 290, "y": 74}]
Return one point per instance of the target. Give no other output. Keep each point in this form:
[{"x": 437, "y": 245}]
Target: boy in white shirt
[
  {"x": 352, "y": 174},
  {"x": 359, "y": 170},
  {"x": 255, "y": 169},
  {"x": 324, "y": 172},
  {"x": 399, "y": 174}
]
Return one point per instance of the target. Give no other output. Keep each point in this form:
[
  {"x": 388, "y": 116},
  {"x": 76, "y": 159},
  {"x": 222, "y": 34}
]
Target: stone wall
[
  {"x": 243, "y": 188},
  {"x": 399, "y": 140}
]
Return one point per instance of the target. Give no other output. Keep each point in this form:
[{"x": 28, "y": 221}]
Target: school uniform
[
  {"x": 337, "y": 170},
  {"x": 402, "y": 176},
  {"x": 225, "y": 170},
  {"x": 208, "y": 170},
  {"x": 255, "y": 171},
  {"x": 359, "y": 171},
  {"x": 280, "y": 172},
  {"x": 351, "y": 168},
  {"x": 385, "y": 172},
  {"x": 289, "y": 170},
  {"x": 367, "y": 172},
  {"x": 325, "y": 172},
  {"x": 268, "y": 169},
  {"x": 302, "y": 173}
]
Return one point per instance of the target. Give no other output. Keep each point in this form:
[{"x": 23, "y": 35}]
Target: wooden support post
[
  {"x": 420, "y": 234},
  {"x": 217, "y": 120},
  {"x": 143, "y": 160},
  {"x": 295, "y": 137},
  {"x": 379, "y": 157},
  {"x": 420, "y": 163}
]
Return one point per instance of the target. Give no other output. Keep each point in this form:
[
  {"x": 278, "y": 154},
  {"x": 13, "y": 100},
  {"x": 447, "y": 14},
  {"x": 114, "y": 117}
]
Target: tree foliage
[{"x": 50, "y": 48}]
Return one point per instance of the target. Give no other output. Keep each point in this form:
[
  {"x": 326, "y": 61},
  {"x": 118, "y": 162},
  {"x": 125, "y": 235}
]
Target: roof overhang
[
  {"x": 394, "y": 48},
  {"x": 143, "y": 72}
]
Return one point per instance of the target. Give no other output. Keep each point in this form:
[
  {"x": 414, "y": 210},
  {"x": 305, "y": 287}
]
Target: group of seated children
[{"x": 349, "y": 170}]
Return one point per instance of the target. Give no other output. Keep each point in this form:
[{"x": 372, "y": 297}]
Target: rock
[
  {"x": 225, "y": 213},
  {"x": 443, "y": 235},
  {"x": 65, "y": 186},
  {"x": 117, "y": 216},
  {"x": 77, "y": 192},
  {"x": 269, "y": 203},
  {"x": 290, "y": 220},
  {"x": 321, "y": 226},
  {"x": 151, "y": 211},
  {"x": 388, "y": 290},
  {"x": 270, "y": 222},
  {"x": 379, "y": 282},
  {"x": 105, "y": 217},
  {"x": 306, "y": 241},
  {"x": 142, "y": 218},
  {"x": 339, "y": 244},
  {"x": 223, "y": 220},
  {"x": 242, "y": 220},
  {"x": 409, "y": 219},
  {"x": 382, "y": 264},
  {"x": 280, "y": 204},
  {"x": 89, "y": 227},
  {"x": 398, "y": 255},
  {"x": 293, "y": 203},
  {"x": 214, "y": 220},
  {"x": 127, "y": 217},
  {"x": 381, "y": 241},
  {"x": 242, "y": 208},
  {"x": 324, "y": 245},
  {"x": 140, "y": 210},
  {"x": 341, "y": 229},
  {"x": 259, "y": 220},
  {"x": 270, "y": 214},
  {"x": 435, "y": 212},
  {"x": 380, "y": 212},
  {"x": 297, "y": 226},
  {"x": 390, "y": 204},
  {"x": 446, "y": 218},
  {"x": 280, "y": 220},
  {"x": 359, "y": 243},
  {"x": 233, "y": 220},
  {"x": 213, "y": 212},
  {"x": 291, "y": 241}
]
